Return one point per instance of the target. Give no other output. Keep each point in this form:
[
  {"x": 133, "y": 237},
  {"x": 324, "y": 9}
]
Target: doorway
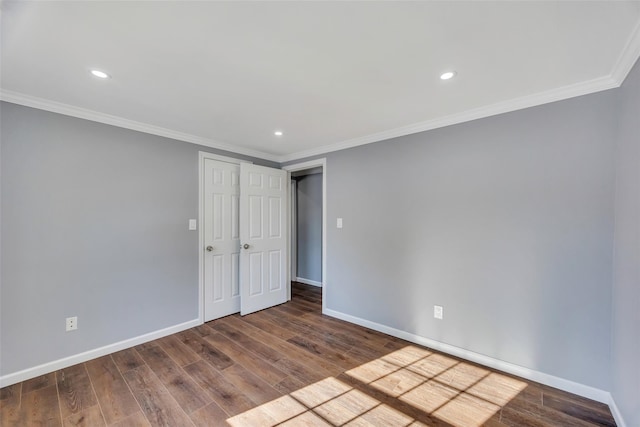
[
  {"x": 304, "y": 261},
  {"x": 306, "y": 227}
]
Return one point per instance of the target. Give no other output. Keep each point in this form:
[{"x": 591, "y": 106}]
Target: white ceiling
[{"x": 328, "y": 74}]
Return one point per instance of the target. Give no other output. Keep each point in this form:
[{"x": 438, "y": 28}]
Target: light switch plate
[
  {"x": 339, "y": 223},
  {"x": 192, "y": 224}
]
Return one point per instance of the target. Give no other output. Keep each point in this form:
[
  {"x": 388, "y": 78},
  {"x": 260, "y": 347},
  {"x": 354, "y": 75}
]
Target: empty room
[{"x": 320, "y": 213}]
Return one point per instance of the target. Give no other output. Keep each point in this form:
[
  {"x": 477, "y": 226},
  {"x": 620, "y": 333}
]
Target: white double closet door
[{"x": 244, "y": 238}]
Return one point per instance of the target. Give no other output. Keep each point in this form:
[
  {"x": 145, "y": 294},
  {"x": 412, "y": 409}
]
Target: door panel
[
  {"x": 263, "y": 259},
  {"x": 275, "y": 259},
  {"x": 221, "y": 232}
]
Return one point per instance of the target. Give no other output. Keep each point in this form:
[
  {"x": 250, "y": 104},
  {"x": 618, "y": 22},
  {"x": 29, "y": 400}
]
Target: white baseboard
[
  {"x": 308, "y": 282},
  {"x": 65, "y": 362},
  {"x": 530, "y": 374},
  {"x": 617, "y": 415},
  {"x": 527, "y": 373}
]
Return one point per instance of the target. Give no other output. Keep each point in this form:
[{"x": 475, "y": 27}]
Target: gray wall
[
  {"x": 94, "y": 225},
  {"x": 626, "y": 284},
  {"x": 507, "y": 222},
  {"x": 309, "y": 227}
]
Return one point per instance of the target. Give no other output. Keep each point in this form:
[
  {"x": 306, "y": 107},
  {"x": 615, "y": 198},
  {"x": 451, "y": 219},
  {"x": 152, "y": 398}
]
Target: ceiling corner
[{"x": 628, "y": 57}]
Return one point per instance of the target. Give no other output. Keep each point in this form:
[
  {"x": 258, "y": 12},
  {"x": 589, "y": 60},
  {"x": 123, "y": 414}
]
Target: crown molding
[
  {"x": 95, "y": 116},
  {"x": 628, "y": 57},
  {"x": 624, "y": 64},
  {"x": 621, "y": 69},
  {"x": 565, "y": 92}
]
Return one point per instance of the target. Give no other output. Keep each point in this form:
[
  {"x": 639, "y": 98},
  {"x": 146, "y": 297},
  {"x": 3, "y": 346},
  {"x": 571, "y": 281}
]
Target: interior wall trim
[
  {"x": 501, "y": 365},
  {"x": 627, "y": 58},
  {"x": 615, "y": 411},
  {"x": 559, "y": 94},
  {"x": 312, "y": 164},
  {"x": 96, "y": 116},
  {"x": 65, "y": 362},
  {"x": 308, "y": 282}
]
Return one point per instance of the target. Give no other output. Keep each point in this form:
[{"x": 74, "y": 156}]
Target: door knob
[
  {"x": 209, "y": 248},
  {"x": 246, "y": 246}
]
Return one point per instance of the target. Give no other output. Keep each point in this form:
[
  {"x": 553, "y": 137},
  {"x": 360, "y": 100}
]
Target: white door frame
[
  {"x": 309, "y": 165},
  {"x": 293, "y": 232},
  {"x": 202, "y": 155}
]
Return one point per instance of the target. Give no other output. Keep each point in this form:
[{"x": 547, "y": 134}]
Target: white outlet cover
[
  {"x": 438, "y": 311},
  {"x": 72, "y": 323},
  {"x": 192, "y": 224},
  {"x": 339, "y": 223}
]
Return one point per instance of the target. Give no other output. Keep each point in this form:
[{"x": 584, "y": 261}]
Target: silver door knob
[
  {"x": 209, "y": 248},
  {"x": 246, "y": 246}
]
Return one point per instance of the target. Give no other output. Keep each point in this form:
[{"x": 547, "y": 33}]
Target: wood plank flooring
[{"x": 288, "y": 366}]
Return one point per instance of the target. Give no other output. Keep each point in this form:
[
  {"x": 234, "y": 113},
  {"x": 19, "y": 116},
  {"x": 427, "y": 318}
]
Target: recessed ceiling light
[
  {"x": 448, "y": 75},
  {"x": 278, "y": 133},
  {"x": 100, "y": 74}
]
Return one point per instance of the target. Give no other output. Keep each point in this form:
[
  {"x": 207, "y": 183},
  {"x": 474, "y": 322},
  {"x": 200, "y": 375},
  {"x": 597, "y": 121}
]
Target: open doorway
[
  {"x": 308, "y": 229},
  {"x": 306, "y": 226}
]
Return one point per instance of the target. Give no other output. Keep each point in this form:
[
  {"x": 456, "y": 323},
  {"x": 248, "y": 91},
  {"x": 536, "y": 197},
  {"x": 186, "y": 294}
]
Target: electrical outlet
[
  {"x": 438, "y": 311},
  {"x": 72, "y": 323}
]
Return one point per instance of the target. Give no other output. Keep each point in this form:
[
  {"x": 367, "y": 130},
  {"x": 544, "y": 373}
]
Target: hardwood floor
[{"x": 290, "y": 366}]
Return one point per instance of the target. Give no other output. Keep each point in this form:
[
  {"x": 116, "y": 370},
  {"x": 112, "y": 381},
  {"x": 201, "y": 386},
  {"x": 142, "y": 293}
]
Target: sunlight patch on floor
[
  {"x": 329, "y": 402},
  {"x": 459, "y": 393}
]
